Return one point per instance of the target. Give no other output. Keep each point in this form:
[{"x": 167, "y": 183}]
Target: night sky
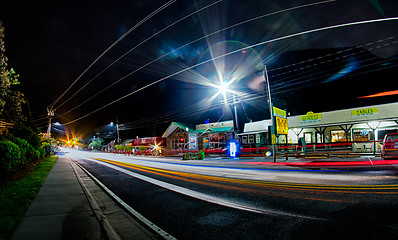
[{"x": 50, "y": 45}]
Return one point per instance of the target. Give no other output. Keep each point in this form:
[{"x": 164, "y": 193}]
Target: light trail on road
[
  {"x": 190, "y": 199},
  {"x": 315, "y": 192}
]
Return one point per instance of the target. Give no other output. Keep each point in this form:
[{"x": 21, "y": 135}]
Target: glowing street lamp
[{"x": 223, "y": 89}]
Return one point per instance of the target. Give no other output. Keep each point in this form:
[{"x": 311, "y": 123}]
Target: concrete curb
[
  {"x": 106, "y": 224},
  {"x": 103, "y": 221}
]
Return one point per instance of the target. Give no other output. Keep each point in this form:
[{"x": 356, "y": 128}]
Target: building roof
[
  {"x": 202, "y": 128},
  {"x": 380, "y": 112},
  {"x": 259, "y": 126},
  {"x": 175, "y": 125}
]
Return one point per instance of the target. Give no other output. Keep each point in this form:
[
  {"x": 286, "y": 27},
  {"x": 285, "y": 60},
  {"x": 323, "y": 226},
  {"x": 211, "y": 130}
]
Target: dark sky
[{"x": 50, "y": 45}]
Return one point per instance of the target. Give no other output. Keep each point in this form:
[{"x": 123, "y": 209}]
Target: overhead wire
[
  {"x": 112, "y": 45},
  {"x": 135, "y": 47},
  {"x": 190, "y": 43},
  {"x": 239, "y": 50}
]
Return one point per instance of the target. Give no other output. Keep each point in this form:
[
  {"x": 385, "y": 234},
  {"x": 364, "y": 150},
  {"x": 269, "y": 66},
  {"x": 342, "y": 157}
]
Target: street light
[
  {"x": 223, "y": 89},
  {"x": 117, "y": 130}
]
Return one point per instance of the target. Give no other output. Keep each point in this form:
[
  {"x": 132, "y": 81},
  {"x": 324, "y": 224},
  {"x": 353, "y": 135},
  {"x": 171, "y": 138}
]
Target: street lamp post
[
  {"x": 271, "y": 110},
  {"x": 235, "y": 103},
  {"x": 117, "y": 131}
]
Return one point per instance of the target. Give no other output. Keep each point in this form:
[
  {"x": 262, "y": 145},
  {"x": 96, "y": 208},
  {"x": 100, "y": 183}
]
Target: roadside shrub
[
  {"x": 142, "y": 148},
  {"x": 42, "y": 152},
  {"x": 24, "y": 149},
  {"x": 194, "y": 156},
  {"x": 201, "y": 155},
  {"x": 21, "y": 131},
  {"x": 10, "y": 156}
]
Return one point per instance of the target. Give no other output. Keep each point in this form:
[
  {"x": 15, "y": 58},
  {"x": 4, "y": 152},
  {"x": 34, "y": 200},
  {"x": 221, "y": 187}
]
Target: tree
[
  {"x": 96, "y": 144},
  {"x": 11, "y": 101}
]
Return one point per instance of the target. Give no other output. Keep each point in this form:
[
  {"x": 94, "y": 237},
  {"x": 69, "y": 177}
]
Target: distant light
[
  {"x": 111, "y": 123},
  {"x": 57, "y": 124}
]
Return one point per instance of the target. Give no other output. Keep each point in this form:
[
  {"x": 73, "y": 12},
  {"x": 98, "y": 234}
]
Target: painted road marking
[{"x": 203, "y": 196}]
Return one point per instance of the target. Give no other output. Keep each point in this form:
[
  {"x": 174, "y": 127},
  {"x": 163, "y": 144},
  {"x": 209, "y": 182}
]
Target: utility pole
[
  {"x": 50, "y": 114},
  {"x": 271, "y": 110},
  {"x": 117, "y": 131},
  {"x": 235, "y": 112}
]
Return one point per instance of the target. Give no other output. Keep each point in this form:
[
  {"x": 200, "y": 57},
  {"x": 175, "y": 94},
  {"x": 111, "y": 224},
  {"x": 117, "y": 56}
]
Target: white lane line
[{"x": 205, "y": 197}]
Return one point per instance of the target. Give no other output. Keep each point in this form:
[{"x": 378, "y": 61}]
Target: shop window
[
  {"x": 363, "y": 135},
  {"x": 244, "y": 139},
  {"x": 339, "y": 136},
  {"x": 251, "y": 139}
]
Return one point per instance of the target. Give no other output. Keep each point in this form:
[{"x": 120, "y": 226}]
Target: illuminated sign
[
  {"x": 311, "y": 117},
  {"x": 364, "y": 112},
  {"x": 192, "y": 141},
  {"x": 279, "y": 112},
  {"x": 232, "y": 149},
  {"x": 281, "y": 125}
]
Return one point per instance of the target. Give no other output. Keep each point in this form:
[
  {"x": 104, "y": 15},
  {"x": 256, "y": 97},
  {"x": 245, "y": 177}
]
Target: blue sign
[{"x": 233, "y": 149}]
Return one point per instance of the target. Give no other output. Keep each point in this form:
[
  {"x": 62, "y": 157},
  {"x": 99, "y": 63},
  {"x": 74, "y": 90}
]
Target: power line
[
  {"x": 239, "y": 50},
  {"x": 135, "y": 47},
  {"x": 185, "y": 45},
  {"x": 112, "y": 45}
]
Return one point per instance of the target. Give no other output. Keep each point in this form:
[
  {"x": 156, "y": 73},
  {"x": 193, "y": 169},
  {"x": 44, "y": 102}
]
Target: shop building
[
  {"x": 362, "y": 127},
  {"x": 209, "y": 137},
  {"x": 357, "y": 129}
]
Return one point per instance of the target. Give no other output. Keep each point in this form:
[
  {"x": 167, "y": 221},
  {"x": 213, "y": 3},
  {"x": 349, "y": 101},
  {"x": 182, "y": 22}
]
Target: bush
[
  {"x": 201, "y": 155},
  {"x": 10, "y": 156},
  {"x": 194, "y": 156},
  {"x": 42, "y": 152},
  {"x": 25, "y": 149},
  {"x": 21, "y": 131},
  {"x": 142, "y": 148}
]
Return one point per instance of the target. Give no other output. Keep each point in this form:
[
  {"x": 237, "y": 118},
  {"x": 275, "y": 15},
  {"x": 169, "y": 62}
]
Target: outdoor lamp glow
[{"x": 223, "y": 87}]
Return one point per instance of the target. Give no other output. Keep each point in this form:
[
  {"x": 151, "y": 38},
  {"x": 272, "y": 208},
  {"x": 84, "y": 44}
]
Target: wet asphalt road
[{"x": 200, "y": 206}]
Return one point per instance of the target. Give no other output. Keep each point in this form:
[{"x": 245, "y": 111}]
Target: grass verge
[{"x": 16, "y": 197}]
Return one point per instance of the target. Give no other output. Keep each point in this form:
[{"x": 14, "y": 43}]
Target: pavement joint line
[
  {"x": 108, "y": 229},
  {"x": 140, "y": 217}
]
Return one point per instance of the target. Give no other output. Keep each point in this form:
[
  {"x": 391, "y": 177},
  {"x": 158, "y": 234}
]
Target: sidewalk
[{"x": 70, "y": 205}]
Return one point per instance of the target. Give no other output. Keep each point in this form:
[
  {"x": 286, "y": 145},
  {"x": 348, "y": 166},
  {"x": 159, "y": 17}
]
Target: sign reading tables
[
  {"x": 281, "y": 126},
  {"x": 311, "y": 117},
  {"x": 279, "y": 112},
  {"x": 364, "y": 112}
]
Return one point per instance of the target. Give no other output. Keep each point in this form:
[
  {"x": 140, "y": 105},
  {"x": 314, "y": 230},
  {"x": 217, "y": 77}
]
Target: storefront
[
  {"x": 255, "y": 134},
  {"x": 210, "y": 137},
  {"x": 359, "y": 129}
]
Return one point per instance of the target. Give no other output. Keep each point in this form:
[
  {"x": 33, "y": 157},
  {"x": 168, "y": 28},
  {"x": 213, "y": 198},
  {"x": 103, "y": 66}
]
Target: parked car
[{"x": 389, "y": 148}]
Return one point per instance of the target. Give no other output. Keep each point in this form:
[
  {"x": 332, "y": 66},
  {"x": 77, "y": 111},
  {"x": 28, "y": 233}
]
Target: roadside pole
[{"x": 273, "y": 137}]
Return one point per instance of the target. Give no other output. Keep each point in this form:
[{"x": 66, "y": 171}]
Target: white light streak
[{"x": 240, "y": 50}]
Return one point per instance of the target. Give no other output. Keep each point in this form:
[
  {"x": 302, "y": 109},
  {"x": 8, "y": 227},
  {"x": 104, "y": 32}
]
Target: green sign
[
  {"x": 311, "y": 117},
  {"x": 364, "y": 112},
  {"x": 279, "y": 112}
]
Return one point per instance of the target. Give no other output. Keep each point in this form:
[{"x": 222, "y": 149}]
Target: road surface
[{"x": 224, "y": 199}]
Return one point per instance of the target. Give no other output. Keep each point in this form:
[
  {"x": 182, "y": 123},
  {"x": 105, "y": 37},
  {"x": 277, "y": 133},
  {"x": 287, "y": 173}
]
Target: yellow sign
[
  {"x": 279, "y": 112},
  {"x": 273, "y": 139},
  {"x": 311, "y": 117},
  {"x": 281, "y": 125},
  {"x": 364, "y": 112}
]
